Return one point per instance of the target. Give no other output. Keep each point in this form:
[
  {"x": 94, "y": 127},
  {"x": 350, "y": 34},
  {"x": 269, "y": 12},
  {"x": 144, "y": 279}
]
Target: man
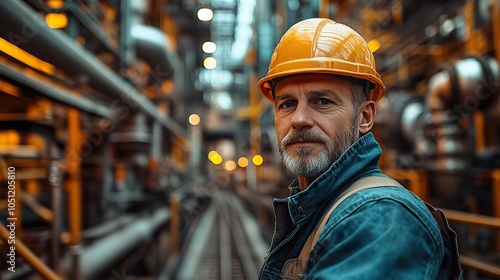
[{"x": 323, "y": 83}]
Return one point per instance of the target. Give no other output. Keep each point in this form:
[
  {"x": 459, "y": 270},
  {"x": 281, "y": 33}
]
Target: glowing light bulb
[
  {"x": 209, "y": 47},
  {"x": 194, "y": 119},
  {"x": 205, "y": 14},
  {"x": 257, "y": 160},
  {"x": 210, "y": 63}
]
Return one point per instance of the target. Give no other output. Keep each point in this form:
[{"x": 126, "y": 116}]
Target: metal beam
[{"x": 55, "y": 93}]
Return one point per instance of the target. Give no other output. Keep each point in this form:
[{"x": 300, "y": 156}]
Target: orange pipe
[
  {"x": 470, "y": 46},
  {"x": 479, "y": 127},
  {"x": 175, "y": 225},
  {"x": 495, "y": 14},
  {"x": 495, "y": 176},
  {"x": 74, "y": 184},
  {"x": 73, "y": 159},
  {"x": 324, "y": 9},
  {"x": 496, "y": 192}
]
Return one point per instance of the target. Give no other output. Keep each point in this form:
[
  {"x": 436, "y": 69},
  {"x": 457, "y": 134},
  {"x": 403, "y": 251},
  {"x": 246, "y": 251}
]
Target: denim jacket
[{"x": 378, "y": 233}]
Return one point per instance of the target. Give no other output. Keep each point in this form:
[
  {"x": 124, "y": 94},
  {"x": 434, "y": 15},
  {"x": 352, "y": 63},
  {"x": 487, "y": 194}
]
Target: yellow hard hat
[{"x": 321, "y": 45}]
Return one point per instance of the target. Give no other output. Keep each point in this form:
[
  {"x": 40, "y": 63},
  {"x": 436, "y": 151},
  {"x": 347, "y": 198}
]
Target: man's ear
[{"x": 367, "y": 114}]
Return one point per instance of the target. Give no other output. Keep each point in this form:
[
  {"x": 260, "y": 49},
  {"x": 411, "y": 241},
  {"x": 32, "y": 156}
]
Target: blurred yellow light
[
  {"x": 210, "y": 63},
  {"x": 211, "y": 153},
  {"x": 374, "y": 45},
  {"x": 55, "y": 4},
  {"x": 216, "y": 159},
  {"x": 243, "y": 162},
  {"x": 257, "y": 160},
  {"x": 209, "y": 47},
  {"x": 9, "y": 138},
  {"x": 12, "y": 137},
  {"x": 25, "y": 57},
  {"x": 205, "y": 14},
  {"x": 230, "y": 165},
  {"x": 194, "y": 119},
  {"x": 56, "y": 21}
]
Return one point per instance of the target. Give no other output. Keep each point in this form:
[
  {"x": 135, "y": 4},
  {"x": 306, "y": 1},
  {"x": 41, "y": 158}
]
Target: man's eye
[
  {"x": 324, "y": 101},
  {"x": 286, "y": 105}
]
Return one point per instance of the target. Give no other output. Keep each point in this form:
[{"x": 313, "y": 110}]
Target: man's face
[{"x": 315, "y": 122}]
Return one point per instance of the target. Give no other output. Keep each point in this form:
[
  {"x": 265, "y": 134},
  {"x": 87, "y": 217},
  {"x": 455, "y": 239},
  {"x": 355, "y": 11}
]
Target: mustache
[{"x": 302, "y": 136}]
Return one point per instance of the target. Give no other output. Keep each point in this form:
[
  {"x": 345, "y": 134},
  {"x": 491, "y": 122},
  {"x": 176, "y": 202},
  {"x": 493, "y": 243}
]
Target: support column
[{"x": 74, "y": 189}]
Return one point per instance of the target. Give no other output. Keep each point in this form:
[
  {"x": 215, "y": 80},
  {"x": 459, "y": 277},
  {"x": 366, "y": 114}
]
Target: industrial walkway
[{"x": 226, "y": 243}]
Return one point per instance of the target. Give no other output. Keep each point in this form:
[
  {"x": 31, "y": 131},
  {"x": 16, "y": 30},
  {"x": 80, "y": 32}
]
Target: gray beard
[{"x": 306, "y": 165}]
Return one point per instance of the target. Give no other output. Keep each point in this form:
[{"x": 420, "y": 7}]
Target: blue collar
[{"x": 359, "y": 160}]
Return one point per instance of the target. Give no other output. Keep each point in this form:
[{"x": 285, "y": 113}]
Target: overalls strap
[{"x": 294, "y": 268}]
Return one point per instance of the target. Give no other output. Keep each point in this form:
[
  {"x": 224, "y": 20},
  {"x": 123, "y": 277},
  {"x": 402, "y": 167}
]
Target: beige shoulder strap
[{"x": 361, "y": 184}]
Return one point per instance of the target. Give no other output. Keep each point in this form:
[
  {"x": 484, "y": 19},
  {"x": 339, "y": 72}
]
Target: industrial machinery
[
  {"x": 92, "y": 137},
  {"x": 102, "y": 168}
]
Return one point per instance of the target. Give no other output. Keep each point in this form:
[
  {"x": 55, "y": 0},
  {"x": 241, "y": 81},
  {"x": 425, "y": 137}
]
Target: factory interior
[{"x": 135, "y": 144}]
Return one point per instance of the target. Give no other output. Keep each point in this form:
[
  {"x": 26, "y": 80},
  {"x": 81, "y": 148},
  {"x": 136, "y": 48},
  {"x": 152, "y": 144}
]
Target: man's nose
[{"x": 302, "y": 117}]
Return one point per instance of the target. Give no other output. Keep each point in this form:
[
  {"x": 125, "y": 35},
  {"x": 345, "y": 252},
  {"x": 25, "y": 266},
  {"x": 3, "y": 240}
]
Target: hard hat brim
[{"x": 376, "y": 93}]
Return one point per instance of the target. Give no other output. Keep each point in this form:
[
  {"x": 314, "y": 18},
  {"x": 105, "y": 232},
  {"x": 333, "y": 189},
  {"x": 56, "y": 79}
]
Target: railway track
[{"x": 226, "y": 244}]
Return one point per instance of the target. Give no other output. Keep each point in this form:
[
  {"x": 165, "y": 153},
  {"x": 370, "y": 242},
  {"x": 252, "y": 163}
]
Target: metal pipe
[
  {"x": 411, "y": 126},
  {"x": 449, "y": 137},
  {"x": 102, "y": 254},
  {"x": 495, "y": 26},
  {"x": 151, "y": 45},
  {"x": 55, "y": 93},
  {"x": 75, "y": 189},
  {"x": 156, "y": 145},
  {"x": 55, "y": 179},
  {"x": 74, "y": 180},
  {"x": 20, "y": 25},
  {"x": 456, "y": 93},
  {"x": 30, "y": 258}
]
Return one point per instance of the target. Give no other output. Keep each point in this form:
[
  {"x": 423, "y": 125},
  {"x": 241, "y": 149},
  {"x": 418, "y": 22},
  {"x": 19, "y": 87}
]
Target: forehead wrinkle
[
  {"x": 324, "y": 92},
  {"x": 311, "y": 94}
]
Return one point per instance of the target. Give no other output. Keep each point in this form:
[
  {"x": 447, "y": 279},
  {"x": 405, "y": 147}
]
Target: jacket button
[{"x": 300, "y": 208}]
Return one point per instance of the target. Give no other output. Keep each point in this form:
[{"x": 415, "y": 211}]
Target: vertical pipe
[
  {"x": 324, "y": 8},
  {"x": 470, "y": 40},
  {"x": 254, "y": 130},
  {"x": 424, "y": 181},
  {"x": 496, "y": 198},
  {"x": 495, "y": 14},
  {"x": 126, "y": 47},
  {"x": 74, "y": 188},
  {"x": 196, "y": 139},
  {"x": 55, "y": 182},
  {"x": 156, "y": 151},
  {"x": 414, "y": 183},
  {"x": 175, "y": 225},
  {"x": 479, "y": 131}
]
